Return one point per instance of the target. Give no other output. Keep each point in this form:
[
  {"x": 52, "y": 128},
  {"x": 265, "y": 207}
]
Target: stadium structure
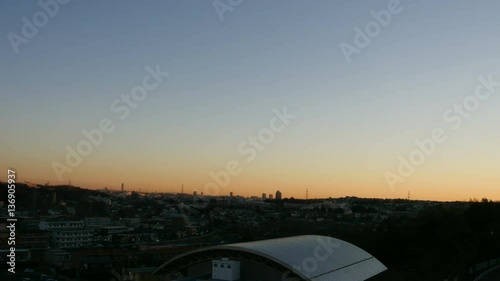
[{"x": 309, "y": 258}]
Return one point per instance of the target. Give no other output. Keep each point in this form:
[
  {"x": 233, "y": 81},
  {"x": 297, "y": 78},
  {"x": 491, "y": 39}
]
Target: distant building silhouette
[
  {"x": 263, "y": 196},
  {"x": 278, "y": 195}
]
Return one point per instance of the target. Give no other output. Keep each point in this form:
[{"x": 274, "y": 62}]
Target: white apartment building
[
  {"x": 77, "y": 238},
  {"x": 52, "y": 225},
  {"x": 67, "y": 234}
]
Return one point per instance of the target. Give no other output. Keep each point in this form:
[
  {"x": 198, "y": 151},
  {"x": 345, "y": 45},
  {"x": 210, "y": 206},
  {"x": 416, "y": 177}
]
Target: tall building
[
  {"x": 271, "y": 196},
  {"x": 278, "y": 195},
  {"x": 122, "y": 187},
  {"x": 263, "y": 196}
]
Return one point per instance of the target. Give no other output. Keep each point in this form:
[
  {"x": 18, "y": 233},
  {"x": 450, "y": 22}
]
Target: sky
[{"x": 234, "y": 68}]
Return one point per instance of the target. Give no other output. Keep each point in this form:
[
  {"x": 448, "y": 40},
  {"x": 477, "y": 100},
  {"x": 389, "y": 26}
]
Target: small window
[
  {"x": 215, "y": 265},
  {"x": 222, "y": 266},
  {"x": 228, "y": 266}
]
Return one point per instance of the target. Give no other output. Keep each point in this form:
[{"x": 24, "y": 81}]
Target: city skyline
[{"x": 197, "y": 192}]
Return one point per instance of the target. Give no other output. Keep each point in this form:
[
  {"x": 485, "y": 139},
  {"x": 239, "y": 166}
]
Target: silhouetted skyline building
[{"x": 278, "y": 195}]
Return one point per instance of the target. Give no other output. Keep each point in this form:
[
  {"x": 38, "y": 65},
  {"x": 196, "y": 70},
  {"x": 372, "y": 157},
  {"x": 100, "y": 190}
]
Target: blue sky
[{"x": 227, "y": 76}]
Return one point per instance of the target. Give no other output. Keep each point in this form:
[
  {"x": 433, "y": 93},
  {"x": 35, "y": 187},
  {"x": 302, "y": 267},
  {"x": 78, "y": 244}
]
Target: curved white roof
[{"x": 312, "y": 257}]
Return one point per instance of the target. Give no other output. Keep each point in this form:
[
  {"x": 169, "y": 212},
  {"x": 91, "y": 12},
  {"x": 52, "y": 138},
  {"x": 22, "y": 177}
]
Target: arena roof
[{"x": 309, "y": 257}]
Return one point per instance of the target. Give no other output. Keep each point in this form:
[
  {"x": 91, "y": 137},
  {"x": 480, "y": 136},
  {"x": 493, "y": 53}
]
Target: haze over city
[{"x": 232, "y": 77}]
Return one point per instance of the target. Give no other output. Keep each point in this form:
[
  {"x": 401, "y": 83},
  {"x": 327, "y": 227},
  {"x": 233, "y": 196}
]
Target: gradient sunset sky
[{"x": 353, "y": 120}]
